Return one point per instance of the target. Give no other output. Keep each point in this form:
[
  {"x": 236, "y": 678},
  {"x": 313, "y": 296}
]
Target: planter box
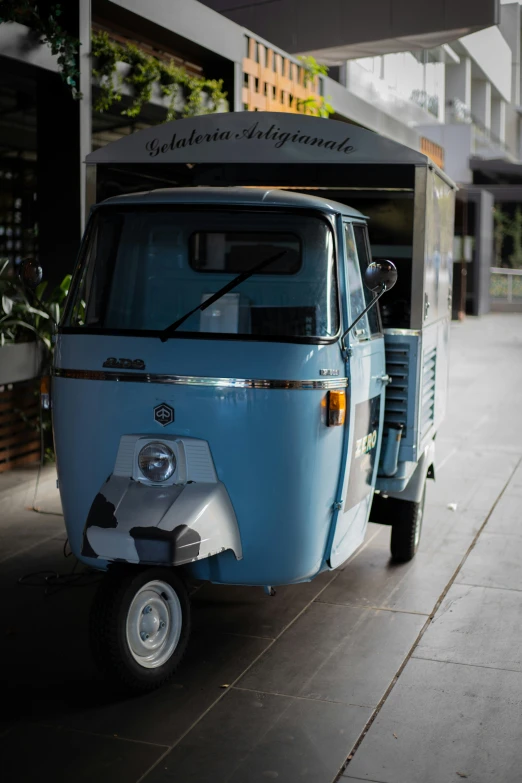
[{"x": 20, "y": 362}]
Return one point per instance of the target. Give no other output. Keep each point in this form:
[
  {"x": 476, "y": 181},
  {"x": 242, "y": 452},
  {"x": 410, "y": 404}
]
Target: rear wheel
[
  {"x": 406, "y": 521},
  {"x": 140, "y": 625}
]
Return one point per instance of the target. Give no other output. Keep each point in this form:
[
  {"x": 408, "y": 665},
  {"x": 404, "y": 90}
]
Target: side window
[
  {"x": 361, "y": 330},
  {"x": 361, "y": 243}
]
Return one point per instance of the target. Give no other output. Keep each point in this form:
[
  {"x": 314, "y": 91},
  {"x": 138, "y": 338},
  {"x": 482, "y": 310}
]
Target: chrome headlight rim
[{"x": 164, "y": 458}]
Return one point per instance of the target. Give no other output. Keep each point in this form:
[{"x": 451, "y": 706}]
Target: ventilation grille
[
  {"x": 397, "y": 367},
  {"x": 428, "y": 391}
]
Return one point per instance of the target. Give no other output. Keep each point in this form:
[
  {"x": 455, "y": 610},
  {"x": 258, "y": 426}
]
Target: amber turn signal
[{"x": 336, "y": 408}]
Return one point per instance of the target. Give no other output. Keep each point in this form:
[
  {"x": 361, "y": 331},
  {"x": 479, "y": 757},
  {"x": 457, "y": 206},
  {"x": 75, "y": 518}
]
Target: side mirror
[
  {"x": 30, "y": 273},
  {"x": 380, "y": 276}
]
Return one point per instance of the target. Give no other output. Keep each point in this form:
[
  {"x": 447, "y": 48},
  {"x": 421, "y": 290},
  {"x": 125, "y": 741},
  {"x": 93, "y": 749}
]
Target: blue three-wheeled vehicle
[{"x": 229, "y": 401}]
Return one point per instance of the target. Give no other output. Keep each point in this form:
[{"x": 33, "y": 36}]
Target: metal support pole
[
  {"x": 510, "y": 288},
  {"x": 237, "y": 98},
  {"x": 85, "y": 102}
]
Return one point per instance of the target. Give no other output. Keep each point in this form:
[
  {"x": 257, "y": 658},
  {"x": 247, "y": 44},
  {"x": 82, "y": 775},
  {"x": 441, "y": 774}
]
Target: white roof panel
[{"x": 256, "y": 137}]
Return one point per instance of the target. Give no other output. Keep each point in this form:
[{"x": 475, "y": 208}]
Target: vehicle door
[{"x": 366, "y": 371}]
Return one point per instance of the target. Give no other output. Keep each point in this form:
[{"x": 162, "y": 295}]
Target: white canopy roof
[{"x": 256, "y": 137}]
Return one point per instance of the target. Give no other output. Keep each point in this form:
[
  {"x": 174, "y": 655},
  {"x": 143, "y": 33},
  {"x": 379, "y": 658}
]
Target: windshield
[{"x": 142, "y": 269}]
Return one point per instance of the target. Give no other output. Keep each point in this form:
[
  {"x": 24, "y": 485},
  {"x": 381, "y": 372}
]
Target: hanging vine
[
  {"x": 193, "y": 94},
  {"x": 50, "y": 30}
]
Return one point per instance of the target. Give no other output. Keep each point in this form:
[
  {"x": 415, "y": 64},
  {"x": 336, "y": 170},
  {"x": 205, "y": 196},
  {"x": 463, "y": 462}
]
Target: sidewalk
[
  {"x": 456, "y": 710},
  {"x": 417, "y": 667}
]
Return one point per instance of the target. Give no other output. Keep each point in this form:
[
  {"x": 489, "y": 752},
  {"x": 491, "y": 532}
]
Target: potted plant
[
  {"x": 27, "y": 323},
  {"x": 22, "y": 347}
]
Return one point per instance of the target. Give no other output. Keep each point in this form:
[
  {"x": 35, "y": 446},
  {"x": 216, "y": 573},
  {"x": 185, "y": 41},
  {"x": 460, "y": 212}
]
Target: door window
[
  {"x": 362, "y": 245},
  {"x": 361, "y": 330}
]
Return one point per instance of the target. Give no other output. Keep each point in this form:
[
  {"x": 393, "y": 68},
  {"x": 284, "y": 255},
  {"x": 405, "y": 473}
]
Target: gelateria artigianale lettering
[{"x": 273, "y": 134}]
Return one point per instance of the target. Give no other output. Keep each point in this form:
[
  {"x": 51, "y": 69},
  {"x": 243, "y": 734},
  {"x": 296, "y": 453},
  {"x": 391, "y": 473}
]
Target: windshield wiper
[{"x": 222, "y": 291}]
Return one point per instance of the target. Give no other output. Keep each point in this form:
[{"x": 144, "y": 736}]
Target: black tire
[
  {"x": 110, "y": 619},
  {"x": 406, "y": 518}
]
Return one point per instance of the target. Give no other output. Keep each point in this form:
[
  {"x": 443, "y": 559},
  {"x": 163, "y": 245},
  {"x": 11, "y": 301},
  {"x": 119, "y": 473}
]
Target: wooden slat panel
[
  {"x": 16, "y": 389},
  {"x": 19, "y": 416},
  {"x": 19, "y": 399},
  {"x": 13, "y": 413},
  {"x": 11, "y": 428},
  {"x": 18, "y": 439},
  {"x": 21, "y": 448},
  {"x": 27, "y": 459}
]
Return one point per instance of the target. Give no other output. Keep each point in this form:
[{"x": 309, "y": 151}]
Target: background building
[
  {"x": 443, "y": 79},
  {"x": 447, "y": 73}
]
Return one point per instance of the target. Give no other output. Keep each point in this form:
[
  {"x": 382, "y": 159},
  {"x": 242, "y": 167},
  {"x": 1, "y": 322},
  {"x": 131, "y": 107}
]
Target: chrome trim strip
[
  {"x": 191, "y": 380},
  {"x": 403, "y": 332}
]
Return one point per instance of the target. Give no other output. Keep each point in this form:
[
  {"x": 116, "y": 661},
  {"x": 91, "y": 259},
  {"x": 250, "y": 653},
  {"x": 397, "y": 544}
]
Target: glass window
[
  {"x": 361, "y": 243},
  {"x": 353, "y": 273},
  {"x": 144, "y": 268}
]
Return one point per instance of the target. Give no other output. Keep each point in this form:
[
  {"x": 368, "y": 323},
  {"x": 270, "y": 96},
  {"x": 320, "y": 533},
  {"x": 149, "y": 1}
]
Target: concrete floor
[{"x": 409, "y": 673}]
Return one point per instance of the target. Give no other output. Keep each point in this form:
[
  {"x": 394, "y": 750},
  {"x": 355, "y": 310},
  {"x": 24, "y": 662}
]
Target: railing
[
  {"x": 506, "y": 285},
  {"x": 459, "y": 112}
]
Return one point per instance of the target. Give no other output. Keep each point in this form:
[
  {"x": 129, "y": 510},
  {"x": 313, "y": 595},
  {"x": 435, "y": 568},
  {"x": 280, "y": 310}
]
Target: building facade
[
  {"x": 444, "y": 80},
  {"x": 45, "y": 133},
  {"x": 446, "y": 72}
]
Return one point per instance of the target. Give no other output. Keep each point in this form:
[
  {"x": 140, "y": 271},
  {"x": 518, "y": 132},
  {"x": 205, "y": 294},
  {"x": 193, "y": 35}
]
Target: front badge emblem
[{"x": 163, "y": 414}]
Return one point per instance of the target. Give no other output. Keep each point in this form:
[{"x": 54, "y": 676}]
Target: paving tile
[
  {"x": 447, "y": 530},
  {"x": 39, "y": 753},
  {"x": 506, "y": 516},
  {"x": 337, "y": 653},
  {"x": 212, "y": 660},
  {"x": 442, "y": 719},
  {"x": 515, "y": 485},
  {"x": 248, "y": 610},
  {"x": 24, "y": 530},
  {"x": 494, "y": 562},
  {"x": 476, "y": 490},
  {"x": 477, "y": 626},
  {"x": 251, "y": 738},
  {"x": 373, "y": 580},
  {"x": 501, "y": 431}
]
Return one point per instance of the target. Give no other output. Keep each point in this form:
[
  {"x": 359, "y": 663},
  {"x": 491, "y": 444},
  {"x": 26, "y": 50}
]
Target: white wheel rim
[{"x": 154, "y": 623}]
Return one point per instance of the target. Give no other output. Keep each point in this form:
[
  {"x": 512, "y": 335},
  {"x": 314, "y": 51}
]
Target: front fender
[
  {"x": 174, "y": 525},
  {"x": 415, "y": 486}
]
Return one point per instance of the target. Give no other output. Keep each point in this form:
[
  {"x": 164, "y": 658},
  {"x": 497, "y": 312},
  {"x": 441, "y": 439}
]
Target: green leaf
[
  {"x": 7, "y": 305},
  {"x": 40, "y": 289},
  {"x": 66, "y": 284},
  {"x": 35, "y": 311}
]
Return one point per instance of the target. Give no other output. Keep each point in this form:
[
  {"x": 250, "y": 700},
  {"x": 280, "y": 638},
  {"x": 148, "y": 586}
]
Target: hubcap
[{"x": 154, "y": 622}]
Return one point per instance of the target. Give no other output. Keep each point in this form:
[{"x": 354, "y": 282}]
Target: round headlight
[{"x": 157, "y": 462}]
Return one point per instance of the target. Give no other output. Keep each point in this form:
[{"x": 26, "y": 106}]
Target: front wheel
[
  {"x": 406, "y": 527},
  {"x": 140, "y": 625}
]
